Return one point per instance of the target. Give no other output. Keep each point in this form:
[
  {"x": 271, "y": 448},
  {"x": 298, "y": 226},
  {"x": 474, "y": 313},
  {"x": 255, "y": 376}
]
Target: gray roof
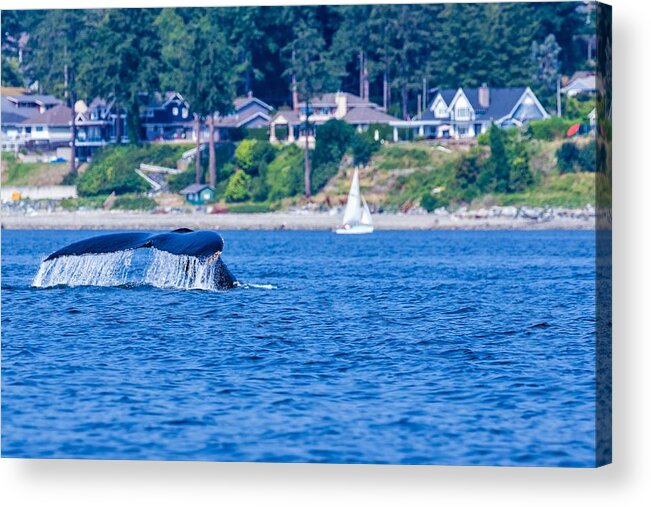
[
  {"x": 364, "y": 115},
  {"x": 240, "y": 102},
  {"x": 289, "y": 115},
  {"x": 58, "y": 115},
  {"x": 328, "y": 99},
  {"x": 195, "y": 187},
  {"x": 45, "y": 100},
  {"x": 502, "y": 101}
]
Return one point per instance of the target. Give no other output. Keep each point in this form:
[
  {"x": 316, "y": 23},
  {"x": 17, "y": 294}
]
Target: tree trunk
[
  {"x": 385, "y": 90},
  {"x": 366, "y": 83},
  {"x": 361, "y": 73},
  {"x": 294, "y": 86},
  {"x": 212, "y": 163},
  {"x": 118, "y": 125},
  {"x": 197, "y": 156},
  {"x": 73, "y": 142},
  {"x": 308, "y": 168},
  {"x": 404, "y": 103}
]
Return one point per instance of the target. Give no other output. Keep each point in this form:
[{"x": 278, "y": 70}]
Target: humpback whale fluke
[{"x": 194, "y": 261}]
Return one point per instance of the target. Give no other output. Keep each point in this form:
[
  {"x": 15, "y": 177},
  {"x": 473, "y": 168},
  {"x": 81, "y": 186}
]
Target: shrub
[
  {"x": 467, "y": 168},
  {"x": 238, "y": 187},
  {"x": 250, "y": 207},
  {"x": 285, "y": 173},
  {"x": 113, "y": 168},
  {"x": 363, "y": 149},
  {"x": 587, "y": 158},
  {"x": 401, "y": 157},
  {"x": 567, "y": 157},
  {"x": 134, "y": 202},
  {"x": 520, "y": 177},
  {"x": 332, "y": 141},
  {"x": 549, "y": 129},
  {"x": 499, "y": 161},
  {"x": 178, "y": 182},
  {"x": 253, "y": 156}
]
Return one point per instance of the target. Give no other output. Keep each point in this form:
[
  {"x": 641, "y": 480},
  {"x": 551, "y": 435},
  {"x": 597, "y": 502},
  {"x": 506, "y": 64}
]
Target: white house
[
  {"x": 467, "y": 112},
  {"x": 581, "y": 82},
  {"x": 289, "y": 125},
  {"x": 15, "y": 109},
  {"x": 48, "y": 130}
]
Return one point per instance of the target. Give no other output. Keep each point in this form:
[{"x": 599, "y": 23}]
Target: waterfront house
[
  {"x": 581, "y": 83},
  {"x": 467, "y": 112},
  {"x": 48, "y": 130},
  {"x": 167, "y": 117},
  {"x": 97, "y": 126},
  {"x": 199, "y": 193},
  {"x": 17, "y": 107},
  {"x": 288, "y": 126},
  {"x": 248, "y": 113}
]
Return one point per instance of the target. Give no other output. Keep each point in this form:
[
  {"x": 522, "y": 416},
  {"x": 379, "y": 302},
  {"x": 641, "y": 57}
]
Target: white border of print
[{"x": 626, "y": 482}]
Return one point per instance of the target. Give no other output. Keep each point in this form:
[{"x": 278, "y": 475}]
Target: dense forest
[{"x": 387, "y": 53}]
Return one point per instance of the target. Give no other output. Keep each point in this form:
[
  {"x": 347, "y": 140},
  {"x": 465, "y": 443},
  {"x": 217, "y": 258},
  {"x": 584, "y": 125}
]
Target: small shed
[{"x": 199, "y": 193}]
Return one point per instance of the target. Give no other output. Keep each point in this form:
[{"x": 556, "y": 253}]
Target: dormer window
[
  {"x": 175, "y": 111},
  {"x": 184, "y": 112},
  {"x": 463, "y": 113}
]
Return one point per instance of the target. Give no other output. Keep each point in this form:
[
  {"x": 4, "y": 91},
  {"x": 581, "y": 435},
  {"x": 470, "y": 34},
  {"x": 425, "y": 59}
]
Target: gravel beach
[{"x": 471, "y": 220}]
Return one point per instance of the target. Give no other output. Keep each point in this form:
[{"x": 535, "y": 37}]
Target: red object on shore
[{"x": 573, "y": 129}]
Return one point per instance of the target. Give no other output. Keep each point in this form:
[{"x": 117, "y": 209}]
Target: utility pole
[{"x": 558, "y": 97}]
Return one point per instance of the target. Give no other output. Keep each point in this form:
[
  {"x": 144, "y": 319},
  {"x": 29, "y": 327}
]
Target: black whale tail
[{"x": 205, "y": 246}]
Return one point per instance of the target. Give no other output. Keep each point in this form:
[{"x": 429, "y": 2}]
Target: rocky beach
[{"x": 496, "y": 217}]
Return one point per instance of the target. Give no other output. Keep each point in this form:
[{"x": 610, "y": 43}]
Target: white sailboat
[{"x": 357, "y": 216}]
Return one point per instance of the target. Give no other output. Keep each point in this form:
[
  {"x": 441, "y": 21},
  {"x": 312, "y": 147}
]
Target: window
[
  {"x": 175, "y": 111},
  {"x": 463, "y": 113},
  {"x": 184, "y": 112},
  {"x": 462, "y": 130},
  {"x": 39, "y": 128}
]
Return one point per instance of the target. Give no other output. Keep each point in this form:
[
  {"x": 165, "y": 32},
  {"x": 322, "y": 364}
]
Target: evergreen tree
[
  {"x": 499, "y": 160},
  {"x": 125, "y": 64},
  {"x": 546, "y": 64},
  {"x": 520, "y": 177},
  {"x": 59, "y": 47},
  {"x": 199, "y": 64},
  {"x": 308, "y": 68}
]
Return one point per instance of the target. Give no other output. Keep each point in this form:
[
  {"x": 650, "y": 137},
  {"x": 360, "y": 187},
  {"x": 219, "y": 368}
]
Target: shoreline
[{"x": 114, "y": 220}]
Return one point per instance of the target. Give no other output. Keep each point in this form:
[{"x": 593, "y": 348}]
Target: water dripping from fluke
[{"x": 181, "y": 259}]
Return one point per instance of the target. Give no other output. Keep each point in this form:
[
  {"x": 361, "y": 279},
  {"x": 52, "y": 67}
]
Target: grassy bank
[{"x": 15, "y": 172}]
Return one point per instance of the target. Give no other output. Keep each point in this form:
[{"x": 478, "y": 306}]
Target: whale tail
[{"x": 191, "y": 258}]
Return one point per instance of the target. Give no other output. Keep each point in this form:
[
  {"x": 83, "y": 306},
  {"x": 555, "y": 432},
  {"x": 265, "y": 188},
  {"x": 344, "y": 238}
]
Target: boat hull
[{"x": 356, "y": 229}]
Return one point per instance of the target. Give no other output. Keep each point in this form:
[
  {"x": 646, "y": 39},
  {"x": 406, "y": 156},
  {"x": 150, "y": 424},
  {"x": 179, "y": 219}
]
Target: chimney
[
  {"x": 484, "y": 96},
  {"x": 342, "y": 105}
]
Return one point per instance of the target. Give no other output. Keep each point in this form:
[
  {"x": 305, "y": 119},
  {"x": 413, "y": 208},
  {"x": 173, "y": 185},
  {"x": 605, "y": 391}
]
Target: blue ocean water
[{"x": 442, "y": 347}]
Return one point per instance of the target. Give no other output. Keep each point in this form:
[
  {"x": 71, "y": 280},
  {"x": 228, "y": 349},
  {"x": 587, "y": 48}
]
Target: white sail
[
  {"x": 366, "y": 214},
  {"x": 353, "y": 212}
]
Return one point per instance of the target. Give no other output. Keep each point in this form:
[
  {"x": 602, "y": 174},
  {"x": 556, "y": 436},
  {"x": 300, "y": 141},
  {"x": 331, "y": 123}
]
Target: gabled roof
[
  {"x": 159, "y": 101},
  {"x": 447, "y": 94},
  {"x": 57, "y": 116},
  {"x": 364, "y": 115},
  {"x": 502, "y": 101},
  {"x": 195, "y": 188},
  {"x": 237, "y": 120},
  {"x": 290, "y": 116},
  {"x": 240, "y": 102},
  {"x": 13, "y": 114},
  {"x": 41, "y": 100}
]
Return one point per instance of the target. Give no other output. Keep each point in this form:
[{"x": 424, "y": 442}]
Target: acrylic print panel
[{"x": 276, "y": 235}]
